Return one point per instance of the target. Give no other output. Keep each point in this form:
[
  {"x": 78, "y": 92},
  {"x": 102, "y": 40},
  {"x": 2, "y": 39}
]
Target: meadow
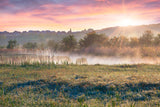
[{"x": 72, "y": 85}]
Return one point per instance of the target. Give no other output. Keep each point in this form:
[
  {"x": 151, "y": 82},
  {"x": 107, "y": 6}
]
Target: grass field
[{"x": 79, "y": 85}]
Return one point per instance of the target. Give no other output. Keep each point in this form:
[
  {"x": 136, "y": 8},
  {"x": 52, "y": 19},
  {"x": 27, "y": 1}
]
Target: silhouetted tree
[
  {"x": 53, "y": 45},
  {"x": 114, "y": 42},
  {"x": 120, "y": 41},
  {"x": 134, "y": 42},
  {"x": 11, "y": 44},
  {"x": 106, "y": 42},
  {"x": 42, "y": 46},
  {"x": 69, "y": 43},
  {"x": 91, "y": 39},
  {"x": 30, "y": 45},
  {"x": 123, "y": 41},
  {"x": 157, "y": 40},
  {"x": 147, "y": 38}
]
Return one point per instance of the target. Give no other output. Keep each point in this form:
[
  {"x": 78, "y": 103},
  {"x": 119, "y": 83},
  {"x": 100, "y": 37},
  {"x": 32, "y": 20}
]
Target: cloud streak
[{"x": 65, "y": 14}]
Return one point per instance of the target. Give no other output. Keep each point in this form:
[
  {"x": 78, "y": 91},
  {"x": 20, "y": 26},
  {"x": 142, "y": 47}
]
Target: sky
[{"x": 61, "y": 15}]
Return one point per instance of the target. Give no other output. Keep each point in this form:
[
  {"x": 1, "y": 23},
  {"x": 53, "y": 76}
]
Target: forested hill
[
  {"x": 130, "y": 31},
  {"x": 44, "y": 36},
  {"x": 38, "y": 36}
]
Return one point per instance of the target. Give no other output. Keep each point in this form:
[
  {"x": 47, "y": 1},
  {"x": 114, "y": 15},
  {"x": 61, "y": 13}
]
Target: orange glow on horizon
[{"x": 96, "y": 14}]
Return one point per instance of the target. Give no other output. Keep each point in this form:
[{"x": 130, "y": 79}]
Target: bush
[
  {"x": 146, "y": 39},
  {"x": 30, "y": 45},
  {"x": 148, "y": 52},
  {"x": 11, "y": 44},
  {"x": 52, "y": 45},
  {"x": 92, "y": 39},
  {"x": 69, "y": 43}
]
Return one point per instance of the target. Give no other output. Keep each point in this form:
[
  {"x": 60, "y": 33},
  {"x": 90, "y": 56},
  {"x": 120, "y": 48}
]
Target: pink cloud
[{"x": 96, "y": 14}]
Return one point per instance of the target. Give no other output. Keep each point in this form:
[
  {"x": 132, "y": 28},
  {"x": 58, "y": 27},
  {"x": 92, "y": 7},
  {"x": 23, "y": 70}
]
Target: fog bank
[{"x": 111, "y": 60}]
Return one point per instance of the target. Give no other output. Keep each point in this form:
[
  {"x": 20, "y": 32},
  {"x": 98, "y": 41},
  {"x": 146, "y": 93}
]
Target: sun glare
[{"x": 127, "y": 22}]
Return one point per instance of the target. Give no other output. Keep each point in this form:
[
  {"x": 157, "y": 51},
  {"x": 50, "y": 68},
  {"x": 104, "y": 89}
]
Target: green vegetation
[
  {"x": 30, "y": 45},
  {"x": 146, "y": 39},
  {"x": 12, "y": 44},
  {"x": 52, "y": 45},
  {"x": 2, "y": 47},
  {"x": 69, "y": 43},
  {"x": 99, "y": 44},
  {"x": 94, "y": 43},
  {"x": 79, "y": 86},
  {"x": 157, "y": 40},
  {"x": 92, "y": 39}
]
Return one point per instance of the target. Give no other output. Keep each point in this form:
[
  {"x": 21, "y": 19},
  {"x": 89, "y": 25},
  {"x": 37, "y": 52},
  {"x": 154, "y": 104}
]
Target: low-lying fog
[
  {"x": 115, "y": 60},
  {"x": 105, "y": 60}
]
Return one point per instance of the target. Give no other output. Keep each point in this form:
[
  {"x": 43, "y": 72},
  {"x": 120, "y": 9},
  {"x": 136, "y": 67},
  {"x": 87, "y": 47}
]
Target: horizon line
[{"x": 77, "y": 30}]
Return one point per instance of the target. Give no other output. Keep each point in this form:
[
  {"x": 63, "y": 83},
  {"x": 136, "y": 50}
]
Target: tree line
[{"x": 93, "y": 39}]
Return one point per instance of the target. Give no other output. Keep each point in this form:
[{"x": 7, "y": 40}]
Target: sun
[{"x": 128, "y": 22}]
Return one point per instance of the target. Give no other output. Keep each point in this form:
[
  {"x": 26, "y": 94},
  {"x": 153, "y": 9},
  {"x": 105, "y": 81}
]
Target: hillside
[
  {"x": 44, "y": 36},
  {"x": 130, "y": 31}
]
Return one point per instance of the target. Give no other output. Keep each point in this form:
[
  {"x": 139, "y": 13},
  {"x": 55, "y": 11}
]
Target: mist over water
[
  {"x": 104, "y": 60},
  {"x": 111, "y": 60},
  {"x": 119, "y": 60}
]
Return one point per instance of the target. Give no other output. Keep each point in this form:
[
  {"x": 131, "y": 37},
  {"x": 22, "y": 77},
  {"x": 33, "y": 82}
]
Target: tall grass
[{"x": 32, "y": 60}]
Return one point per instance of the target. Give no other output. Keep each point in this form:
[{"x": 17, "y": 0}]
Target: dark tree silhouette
[
  {"x": 69, "y": 43},
  {"x": 11, "y": 44},
  {"x": 147, "y": 38},
  {"x": 157, "y": 40},
  {"x": 91, "y": 39},
  {"x": 134, "y": 42},
  {"x": 30, "y": 45}
]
